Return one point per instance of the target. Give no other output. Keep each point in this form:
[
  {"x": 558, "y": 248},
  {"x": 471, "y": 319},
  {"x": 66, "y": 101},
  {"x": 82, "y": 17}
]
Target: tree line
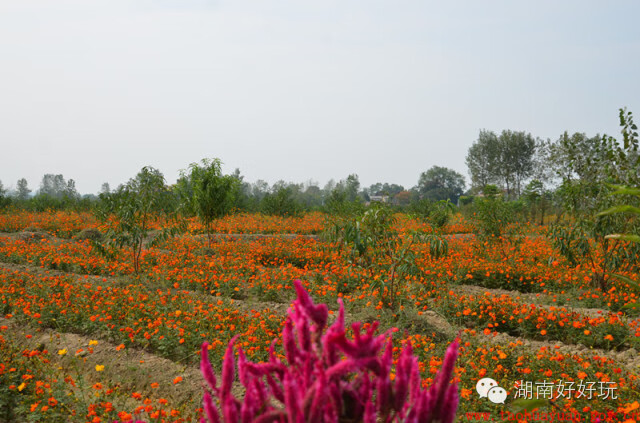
[
  {"x": 541, "y": 174},
  {"x": 280, "y": 198}
]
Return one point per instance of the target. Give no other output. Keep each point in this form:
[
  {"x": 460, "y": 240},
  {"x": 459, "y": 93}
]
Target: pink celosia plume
[{"x": 329, "y": 377}]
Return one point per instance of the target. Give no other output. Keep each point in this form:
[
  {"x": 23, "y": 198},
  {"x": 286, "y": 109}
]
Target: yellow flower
[
  {"x": 62, "y": 351},
  {"x": 21, "y": 386},
  {"x": 92, "y": 342},
  {"x": 99, "y": 368}
]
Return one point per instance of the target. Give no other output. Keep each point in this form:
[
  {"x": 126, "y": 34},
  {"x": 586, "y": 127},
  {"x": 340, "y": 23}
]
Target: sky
[{"x": 300, "y": 90}]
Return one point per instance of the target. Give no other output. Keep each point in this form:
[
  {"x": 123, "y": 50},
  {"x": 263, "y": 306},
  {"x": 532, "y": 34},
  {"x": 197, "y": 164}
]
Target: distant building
[{"x": 379, "y": 197}]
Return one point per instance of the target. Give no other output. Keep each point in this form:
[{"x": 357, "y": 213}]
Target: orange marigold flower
[{"x": 124, "y": 416}]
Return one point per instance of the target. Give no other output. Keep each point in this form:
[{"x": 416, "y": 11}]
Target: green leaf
[
  {"x": 521, "y": 405},
  {"x": 620, "y": 209},
  {"x": 624, "y": 237},
  {"x": 621, "y": 190},
  {"x": 632, "y": 309},
  {"x": 626, "y": 280}
]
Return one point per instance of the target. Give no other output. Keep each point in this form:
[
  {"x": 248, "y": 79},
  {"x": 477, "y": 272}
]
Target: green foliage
[
  {"x": 374, "y": 244},
  {"x": 4, "y": 199},
  {"x": 136, "y": 207},
  {"x": 483, "y": 158},
  {"x": 634, "y": 213},
  {"x": 508, "y": 281},
  {"x": 385, "y": 189},
  {"x": 281, "y": 203},
  {"x": 22, "y": 190},
  {"x": 507, "y": 159},
  {"x": 351, "y": 186},
  {"x": 436, "y": 213},
  {"x": 338, "y": 203},
  {"x": 438, "y": 246},
  {"x": 592, "y": 169},
  {"x": 55, "y": 193},
  {"x": 441, "y": 183},
  {"x": 516, "y": 163},
  {"x": 53, "y": 185},
  {"x": 206, "y": 193},
  {"x": 465, "y": 200},
  {"x": 537, "y": 200},
  {"x": 43, "y": 202},
  {"x": 571, "y": 241},
  {"x": 493, "y": 214},
  {"x": 343, "y": 199}
]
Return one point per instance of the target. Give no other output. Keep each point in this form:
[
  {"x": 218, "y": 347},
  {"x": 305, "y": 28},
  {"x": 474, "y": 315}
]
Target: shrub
[
  {"x": 329, "y": 378},
  {"x": 493, "y": 215},
  {"x": 589, "y": 242},
  {"x": 91, "y": 234},
  {"x": 436, "y": 213},
  {"x": 207, "y": 193},
  {"x": 137, "y": 207},
  {"x": 374, "y": 244},
  {"x": 281, "y": 203}
]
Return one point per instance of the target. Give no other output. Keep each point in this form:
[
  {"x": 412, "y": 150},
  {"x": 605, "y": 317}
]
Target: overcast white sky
[{"x": 300, "y": 90}]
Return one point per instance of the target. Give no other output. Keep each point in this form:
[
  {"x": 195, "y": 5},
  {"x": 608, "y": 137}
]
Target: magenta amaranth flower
[{"x": 328, "y": 377}]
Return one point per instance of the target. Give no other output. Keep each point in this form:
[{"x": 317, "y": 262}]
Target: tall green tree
[
  {"x": 243, "y": 195},
  {"x": 208, "y": 193},
  {"x": 577, "y": 157},
  {"x": 70, "y": 191},
  {"x": 538, "y": 199},
  {"x": 281, "y": 202},
  {"x": 483, "y": 160},
  {"x": 22, "y": 190},
  {"x": 4, "y": 199},
  {"x": 53, "y": 185},
  {"x": 590, "y": 169},
  {"x": 441, "y": 183},
  {"x": 386, "y": 188},
  {"x": 517, "y": 150},
  {"x": 105, "y": 188},
  {"x": 137, "y": 207},
  {"x": 352, "y": 187},
  {"x": 311, "y": 196},
  {"x": 507, "y": 160}
]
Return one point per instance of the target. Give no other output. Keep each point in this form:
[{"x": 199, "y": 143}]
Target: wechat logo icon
[{"x": 488, "y": 388}]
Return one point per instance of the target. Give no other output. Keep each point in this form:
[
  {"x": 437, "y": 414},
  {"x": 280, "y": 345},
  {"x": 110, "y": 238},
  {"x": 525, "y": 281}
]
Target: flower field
[{"x": 85, "y": 338}]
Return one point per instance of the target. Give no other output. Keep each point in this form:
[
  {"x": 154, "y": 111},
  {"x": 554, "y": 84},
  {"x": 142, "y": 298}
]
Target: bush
[
  {"x": 493, "y": 215},
  {"x": 137, "y": 207},
  {"x": 281, "y": 203},
  {"x": 207, "y": 193},
  {"x": 436, "y": 213},
  {"x": 465, "y": 200},
  {"x": 375, "y": 245},
  {"x": 91, "y": 234},
  {"x": 338, "y": 204}
]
